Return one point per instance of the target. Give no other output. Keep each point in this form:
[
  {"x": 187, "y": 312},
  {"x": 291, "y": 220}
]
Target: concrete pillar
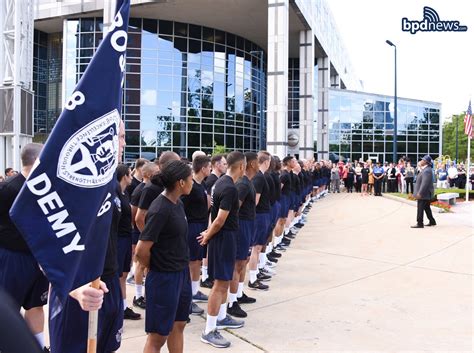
[
  {"x": 335, "y": 81},
  {"x": 109, "y": 14},
  {"x": 277, "y": 84},
  {"x": 306, "y": 94},
  {"x": 323, "y": 107}
]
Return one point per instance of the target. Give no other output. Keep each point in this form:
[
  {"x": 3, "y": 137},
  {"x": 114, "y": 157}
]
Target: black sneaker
[
  {"x": 263, "y": 277},
  {"x": 236, "y": 311},
  {"x": 290, "y": 235},
  {"x": 46, "y": 350},
  {"x": 274, "y": 254},
  {"x": 299, "y": 225},
  {"x": 140, "y": 302},
  {"x": 207, "y": 283},
  {"x": 257, "y": 285},
  {"x": 245, "y": 299},
  {"x": 286, "y": 241},
  {"x": 280, "y": 247},
  {"x": 272, "y": 259},
  {"x": 129, "y": 314}
]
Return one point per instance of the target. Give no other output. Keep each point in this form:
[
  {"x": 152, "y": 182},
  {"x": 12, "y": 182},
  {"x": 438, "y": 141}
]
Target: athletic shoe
[
  {"x": 215, "y": 339},
  {"x": 200, "y": 297},
  {"x": 274, "y": 254},
  {"x": 131, "y": 281},
  {"x": 140, "y": 302},
  {"x": 257, "y": 285},
  {"x": 196, "y": 310},
  {"x": 235, "y": 310},
  {"x": 299, "y": 225},
  {"x": 280, "y": 247},
  {"x": 46, "y": 350},
  {"x": 286, "y": 241},
  {"x": 129, "y": 314},
  {"x": 289, "y": 236},
  {"x": 270, "y": 264},
  {"x": 245, "y": 299},
  {"x": 207, "y": 283},
  {"x": 263, "y": 277},
  {"x": 272, "y": 259},
  {"x": 229, "y": 322},
  {"x": 268, "y": 271}
]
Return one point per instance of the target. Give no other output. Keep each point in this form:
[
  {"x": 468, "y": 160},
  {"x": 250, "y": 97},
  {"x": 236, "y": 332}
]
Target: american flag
[{"x": 468, "y": 121}]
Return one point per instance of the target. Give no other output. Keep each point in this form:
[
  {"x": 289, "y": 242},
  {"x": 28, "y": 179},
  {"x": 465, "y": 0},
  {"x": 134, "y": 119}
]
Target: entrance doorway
[{"x": 374, "y": 157}]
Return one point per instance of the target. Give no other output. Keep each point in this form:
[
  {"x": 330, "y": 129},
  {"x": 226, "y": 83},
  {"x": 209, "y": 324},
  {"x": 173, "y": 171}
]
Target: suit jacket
[{"x": 424, "y": 184}]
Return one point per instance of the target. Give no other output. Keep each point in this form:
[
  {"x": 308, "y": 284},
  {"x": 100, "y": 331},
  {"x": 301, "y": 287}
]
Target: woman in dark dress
[
  {"x": 365, "y": 171},
  {"x": 350, "y": 178}
]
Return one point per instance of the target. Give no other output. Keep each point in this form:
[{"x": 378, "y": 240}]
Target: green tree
[
  {"x": 449, "y": 138},
  {"x": 218, "y": 149}
]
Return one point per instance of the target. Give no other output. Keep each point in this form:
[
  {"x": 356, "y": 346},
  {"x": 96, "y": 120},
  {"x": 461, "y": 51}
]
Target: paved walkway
[{"x": 357, "y": 278}]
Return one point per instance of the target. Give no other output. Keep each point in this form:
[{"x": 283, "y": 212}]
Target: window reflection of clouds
[
  {"x": 182, "y": 80},
  {"x": 418, "y": 123}
]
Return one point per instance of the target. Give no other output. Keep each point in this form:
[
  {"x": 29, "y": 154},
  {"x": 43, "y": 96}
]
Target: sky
[{"x": 433, "y": 66}]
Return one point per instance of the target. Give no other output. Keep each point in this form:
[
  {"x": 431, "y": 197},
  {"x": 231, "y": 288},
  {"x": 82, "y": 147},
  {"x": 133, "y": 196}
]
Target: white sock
[
  {"x": 269, "y": 248},
  {"x": 132, "y": 271},
  {"x": 125, "y": 304},
  {"x": 240, "y": 290},
  {"x": 232, "y": 299},
  {"x": 194, "y": 287},
  {"x": 222, "y": 312},
  {"x": 138, "y": 291},
  {"x": 204, "y": 274},
  {"x": 40, "y": 338},
  {"x": 278, "y": 239},
  {"x": 253, "y": 275},
  {"x": 211, "y": 324},
  {"x": 261, "y": 260},
  {"x": 286, "y": 231}
]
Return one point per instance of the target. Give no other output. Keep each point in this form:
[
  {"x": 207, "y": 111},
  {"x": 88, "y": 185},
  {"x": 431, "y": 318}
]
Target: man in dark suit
[{"x": 424, "y": 191}]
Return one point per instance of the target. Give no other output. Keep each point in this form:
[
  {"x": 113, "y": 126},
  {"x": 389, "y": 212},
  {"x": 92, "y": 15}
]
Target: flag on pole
[
  {"x": 64, "y": 209},
  {"x": 468, "y": 121}
]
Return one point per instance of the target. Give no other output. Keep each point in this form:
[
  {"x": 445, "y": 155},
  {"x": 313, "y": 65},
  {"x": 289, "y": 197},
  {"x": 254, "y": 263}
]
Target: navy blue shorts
[
  {"x": 135, "y": 236},
  {"x": 221, "y": 251},
  {"x": 275, "y": 214},
  {"x": 22, "y": 279},
  {"x": 284, "y": 206},
  {"x": 68, "y": 329},
  {"x": 262, "y": 223},
  {"x": 245, "y": 237},
  {"x": 168, "y": 299},
  {"x": 124, "y": 254},
  {"x": 196, "y": 251}
]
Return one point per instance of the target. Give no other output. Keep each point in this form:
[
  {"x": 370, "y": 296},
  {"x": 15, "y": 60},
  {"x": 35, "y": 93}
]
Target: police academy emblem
[{"x": 90, "y": 156}]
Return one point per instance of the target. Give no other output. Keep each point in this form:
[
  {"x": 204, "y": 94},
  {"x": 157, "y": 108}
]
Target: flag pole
[
  {"x": 93, "y": 323},
  {"x": 468, "y": 170}
]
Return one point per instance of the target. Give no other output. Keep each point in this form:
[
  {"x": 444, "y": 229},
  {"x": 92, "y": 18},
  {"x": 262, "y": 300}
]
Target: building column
[
  {"x": 277, "y": 84},
  {"x": 335, "y": 81},
  {"x": 323, "y": 107},
  {"x": 306, "y": 94}
]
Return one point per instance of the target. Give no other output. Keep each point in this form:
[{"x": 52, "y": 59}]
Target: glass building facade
[
  {"x": 187, "y": 87},
  {"x": 361, "y": 125},
  {"x": 47, "y": 79}
]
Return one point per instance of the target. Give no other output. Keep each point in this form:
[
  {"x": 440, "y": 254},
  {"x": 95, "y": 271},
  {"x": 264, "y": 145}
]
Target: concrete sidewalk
[{"x": 357, "y": 278}]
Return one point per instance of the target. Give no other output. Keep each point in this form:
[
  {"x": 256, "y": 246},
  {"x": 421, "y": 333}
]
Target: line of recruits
[
  {"x": 211, "y": 220},
  {"x": 177, "y": 222}
]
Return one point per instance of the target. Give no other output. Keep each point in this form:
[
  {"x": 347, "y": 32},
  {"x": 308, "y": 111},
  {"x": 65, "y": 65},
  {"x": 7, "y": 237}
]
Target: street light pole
[
  {"x": 457, "y": 126},
  {"x": 395, "y": 115}
]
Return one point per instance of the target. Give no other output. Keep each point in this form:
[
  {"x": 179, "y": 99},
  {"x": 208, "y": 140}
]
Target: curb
[{"x": 413, "y": 203}]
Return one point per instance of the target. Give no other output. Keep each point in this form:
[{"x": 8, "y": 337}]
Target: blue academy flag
[{"x": 64, "y": 209}]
